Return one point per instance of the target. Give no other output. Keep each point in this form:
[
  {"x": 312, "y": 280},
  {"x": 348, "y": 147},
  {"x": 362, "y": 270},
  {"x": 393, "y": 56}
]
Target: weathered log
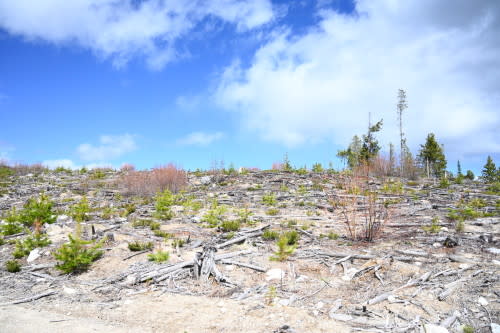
[
  {"x": 242, "y": 264},
  {"x": 242, "y": 238},
  {"x": 30, "y": 299}
]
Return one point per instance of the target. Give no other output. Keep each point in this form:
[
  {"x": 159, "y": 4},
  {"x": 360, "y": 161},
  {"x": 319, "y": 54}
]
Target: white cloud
[
  {"x": 200, "y": 138},
  {"x": 65, "y": 163},
  {"x": 123, "y": 29},
  {"x": 322, "y": 85},
  {"x": 110, "y": 147},
  {"x": 69, "y": 164}
]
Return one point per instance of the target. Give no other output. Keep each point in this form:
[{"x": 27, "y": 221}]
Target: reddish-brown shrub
[
  {"x": 24, "y": 169},
  {"x": 145, "y": 183},
  {"x": 277, "y": 166},
  {"x": 127, "y": 167}
]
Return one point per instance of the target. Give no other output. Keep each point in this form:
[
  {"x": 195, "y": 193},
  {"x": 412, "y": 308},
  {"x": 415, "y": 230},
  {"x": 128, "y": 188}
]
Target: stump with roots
[{"x": 204, "y": 265}]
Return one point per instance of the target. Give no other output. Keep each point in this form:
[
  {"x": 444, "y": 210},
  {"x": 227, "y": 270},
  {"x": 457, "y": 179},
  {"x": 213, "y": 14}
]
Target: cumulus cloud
[
  {"x": 65, "y": 163},
  {"x": 110, "y": 147},
  {"x": 200, "y": 139},
  {"x": 322, "y": 85},
  {"x": 123, "y": 29},
  {"x": 70, "y": 164}
]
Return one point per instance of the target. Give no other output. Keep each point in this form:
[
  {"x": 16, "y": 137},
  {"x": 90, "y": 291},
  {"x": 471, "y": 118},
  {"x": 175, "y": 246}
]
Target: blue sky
[{"x": 149, "y": 82}]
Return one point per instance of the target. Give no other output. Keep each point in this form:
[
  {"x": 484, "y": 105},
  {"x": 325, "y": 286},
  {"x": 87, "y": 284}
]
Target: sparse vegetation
[
  {"x": 13, "y": 266},
  {"x": 269, "y": 199},
  {"x": 25, "y": 246},
  {"x": 140, "y": 246},
  {"x": 80, "y": 211},
  {"x": 215, "y": 215},
  {"x": 159, "y": 256},
  {"x": 434, "y": 228},
  {"x": 164, "y": 202},
  {"x": 270, "y": 234},
  {"x": 38, "y": 211},
  {"x": 77, "y": 255},
  {"x": 272, "y": 211},
  {"x": 230, "y": 226},
  {"x": 284, "y": 249}
]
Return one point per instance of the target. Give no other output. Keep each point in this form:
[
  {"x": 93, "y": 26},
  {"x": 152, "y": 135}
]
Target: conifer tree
[
  {"x": 432, "y": 157},
  {"x": 490, "y": 173}
]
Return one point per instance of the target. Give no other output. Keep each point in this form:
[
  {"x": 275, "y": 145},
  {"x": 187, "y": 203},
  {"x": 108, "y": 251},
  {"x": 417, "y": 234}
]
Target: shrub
[
  {"x": 108, "y": 212},
  {"x": 98, "y": 174},
  {"x": 468, "y": 329},
  {"x": 77, "y": 255},
  {"x": 284, "y": 249},
  {"x": 12, "y": 226},
  {"x": 164, "y": 201},
  {"x": 434, "y": 227},
  {"x": 25, "y": 246},
  {"x": 138, "y": 246},
  {"x": 128, "y": 209},
  {"x": 161, "y": 233},
  {"x": 460, "y": 226},
  {"x": 273, "y": 211},
  {"x": 178, "y": 242},
  {"x": 333, "y": 236},
  {"x": 38, "y": 211},
  {"x": 215, "y": 215},
  {"x": 444, "y": 183},
  {"x": 269, "y": 199},
  {"x": 13, "y": 266},
  {"x": 230, "y": 226},
  {"x": 141, "y": 223},
  {"x": 244, "y": 215},
  {"x": 159, "y": 256},
  {"x": 494, "y": 188},
  {"x": 79, "y": 212},
  {"x": 145, "y": 183},
  {"x": 317, "y": 167},
  {"x": 301, "y": 171},
  {"x": 292, "y": 237},
  {"x": 126, "y": 167},
  {"x": 154, "y": 226},
  {"x": 270, "y": 234},
  {"x": 302, "y": 190}
]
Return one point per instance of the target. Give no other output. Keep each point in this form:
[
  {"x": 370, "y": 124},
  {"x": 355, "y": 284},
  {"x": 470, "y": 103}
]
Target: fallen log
[
  {"x": 30, "y": 299},
  {"x": 242, "y": 264},
  {"x": 240, "y": 239}
]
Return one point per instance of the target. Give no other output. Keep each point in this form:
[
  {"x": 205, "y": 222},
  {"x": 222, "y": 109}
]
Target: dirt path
[{"x": 167, "y": 313}]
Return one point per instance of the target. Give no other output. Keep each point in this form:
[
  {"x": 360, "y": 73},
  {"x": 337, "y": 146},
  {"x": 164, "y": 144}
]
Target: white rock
[
  {"x": 431, "y": 328},
  {"x": 63, "y": 219},
  {"x": 275, "y": 274},
  {"x": 34, "y": 255},
  {"x": 340, "y": 316},
  {"x": 493, "y": 250},
  {"x": 284, "y": 302},
  {"x": 496, "y": 262},
  {"x": 320, "y": 305},
  {"x": 205, "y": 180},
  {"x": 437, "y": 245},
  {"x": 482, "y": 301},
  {"x": 337, "y": 304},
  {"x": 301, "y": 278},
  {"x": 69, "y": 291},
  {"x": 495, "y": 328},
  {"x": 444, "y": 229},
  {"x": 131, "y": 280}
]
